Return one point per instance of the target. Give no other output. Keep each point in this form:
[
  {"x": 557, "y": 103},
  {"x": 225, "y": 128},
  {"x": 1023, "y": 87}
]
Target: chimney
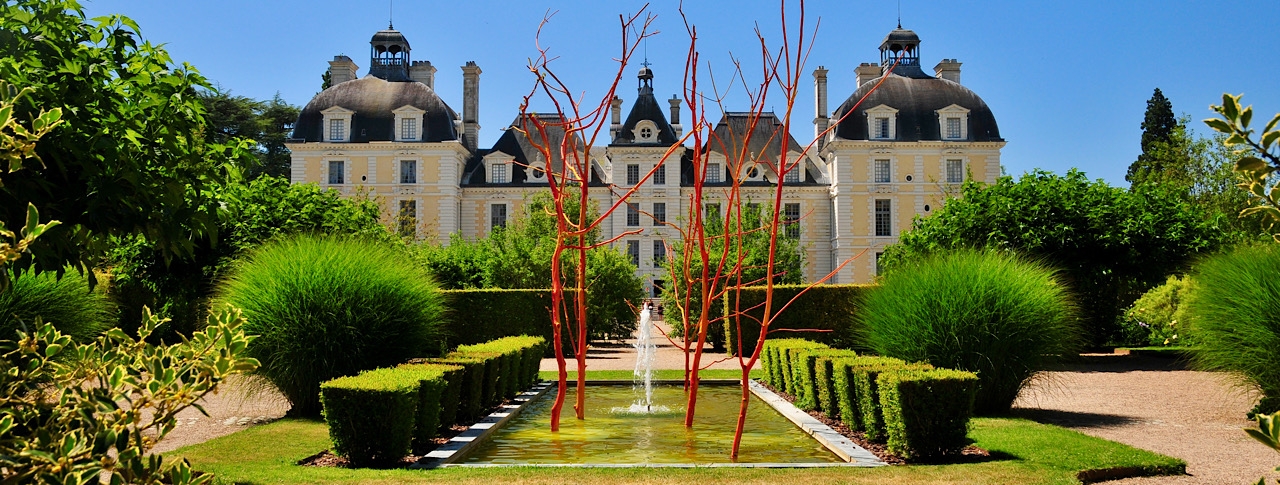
[
  {"x": 820, "y": 120},
  {"x": 615, "y": 109},
  {"x": 423, "y": 72},
  {"x": 948, "y": 69},
  {"x": 341, "y": 70},
  {"x": 675, "y": 115},
  {"x": 868, "y": 71},
  {"x": 471, "y": 104}
]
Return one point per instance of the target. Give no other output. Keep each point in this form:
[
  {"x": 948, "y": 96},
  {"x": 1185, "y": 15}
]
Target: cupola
[{"x": 389, "y": 55}]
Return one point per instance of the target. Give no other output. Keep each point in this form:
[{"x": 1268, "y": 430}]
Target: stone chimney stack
[
  {"x": 868, "y": 71},
  {"x": 341, "y": 70},
  {"x": 615, "y": 109},
  {"x": 820, "y": 120},
  {"x": 423, "y": 72},
  {"x": 948, "y": 69},
  {"x": 471, "y": 104},
  {"x": 675, "y": 115}
]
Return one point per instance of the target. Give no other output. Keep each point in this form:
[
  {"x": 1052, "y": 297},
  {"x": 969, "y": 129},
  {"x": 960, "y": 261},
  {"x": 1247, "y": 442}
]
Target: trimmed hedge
[
  {"x": 926, "y": 412},
  {"x": 779, "y": 356},
  {"x": 827, "y": 310},
  {"x": 371, "y": 416},
  {"x": 805, "y": 371},
  {"x": 479, "y": 316},
  {"x": 432, "y": 395},
  {"x": 845, "y": 399},
  {"x": 866, "y": 389},
  {"x": 521, "y": 356},
  {"x": 470, "y": 402}
]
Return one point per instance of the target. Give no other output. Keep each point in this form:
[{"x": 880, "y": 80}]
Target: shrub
[
  {"x": 371, "y": 416},
  {"x": 67, "y": 303},
  {"x": 866, "y": 391},
  {"x": 479, "y": 316},
  {"x": 1234, "y": 309},
  {"x": 805, "y": 367},
  {"x": 1154, "y": 318},
  {"x": 780, "y": 364},
  {"x": 992, "y": 313},
  {"x": 825, "y": 376},
  {"x": 926, "y": 412},
  {"x": 490, "y": 389},
  {"x": 827, "y": 309},
  {"x": 432, "y": 394},
  {"x": 470, "y": 387},
  {"x": 325, "y": 307}
]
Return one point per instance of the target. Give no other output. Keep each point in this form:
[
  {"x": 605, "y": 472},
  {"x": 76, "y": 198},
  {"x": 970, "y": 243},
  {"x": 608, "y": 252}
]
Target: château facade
[{"x": 900, "y": 153}]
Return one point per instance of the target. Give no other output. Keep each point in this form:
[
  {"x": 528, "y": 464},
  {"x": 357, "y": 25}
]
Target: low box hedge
[
  {"x": 483, "y": 315},
  {"x": 825, "y": 311},
  {"x": 490, "y": 390},
  {"x": 824, "y": 381},
  {"x": 371, "y": 416},
  {"x": 867, "y": 392},
  {"x": 432, "y": 395},
  {"x": 470, "y": 402},
  {"x": 926, "y": 412},
  {"x": 804, "y": 367},
  {"x": 788, "y": 356}
]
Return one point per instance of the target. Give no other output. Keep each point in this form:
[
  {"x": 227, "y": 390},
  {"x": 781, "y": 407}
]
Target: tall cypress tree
[{"x": 1157, "y": 129}]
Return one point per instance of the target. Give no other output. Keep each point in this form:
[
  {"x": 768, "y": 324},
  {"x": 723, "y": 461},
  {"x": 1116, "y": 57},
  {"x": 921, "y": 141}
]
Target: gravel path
[{"x": 1147, "y": 402}]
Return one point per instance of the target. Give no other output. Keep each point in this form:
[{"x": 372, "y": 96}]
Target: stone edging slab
[
  {"x": 836, "y": 442},
  {"x": 459, "y": 445}
]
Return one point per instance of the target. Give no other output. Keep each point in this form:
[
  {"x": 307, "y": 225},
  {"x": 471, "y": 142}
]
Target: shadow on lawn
[{"x": 1070, "y": 419}]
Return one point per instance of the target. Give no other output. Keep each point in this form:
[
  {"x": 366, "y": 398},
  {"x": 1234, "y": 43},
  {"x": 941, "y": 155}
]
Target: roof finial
[
  {"x": 646, "y": 53},
  {"x": 391, "y": 14},
  {"x": 899, "y": 14}
]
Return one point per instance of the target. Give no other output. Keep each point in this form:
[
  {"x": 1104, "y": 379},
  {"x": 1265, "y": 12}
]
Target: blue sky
[{"x": 1067, "y": 81}]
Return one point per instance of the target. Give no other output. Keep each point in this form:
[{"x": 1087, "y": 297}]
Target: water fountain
[{"x": 642, "y": 380}]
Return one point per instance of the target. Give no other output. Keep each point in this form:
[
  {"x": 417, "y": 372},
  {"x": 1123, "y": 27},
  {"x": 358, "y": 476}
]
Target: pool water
[{"x": 612, "y": 434}]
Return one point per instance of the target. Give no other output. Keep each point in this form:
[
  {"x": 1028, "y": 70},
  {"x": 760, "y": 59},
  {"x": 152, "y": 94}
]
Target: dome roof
[
  {"x": 917, "y": 101},
  {"x": 389, "y": 35},
  {"x": 901, "y": 36},
  {"x": 374, "y": 100}
]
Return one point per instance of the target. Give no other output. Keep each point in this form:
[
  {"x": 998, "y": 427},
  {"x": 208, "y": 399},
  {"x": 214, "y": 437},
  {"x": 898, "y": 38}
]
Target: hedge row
[
  {"x": 479, "y": 316},
  {"x": 376, "y": 417},
  {"x": 920, "y": 411},
  {"x": 825, "y": 313}
]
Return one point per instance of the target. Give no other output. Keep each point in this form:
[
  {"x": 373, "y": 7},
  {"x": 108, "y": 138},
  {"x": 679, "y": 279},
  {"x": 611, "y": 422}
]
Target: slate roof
[
  {"x": 522, "y": 149},
  {"x": 917, "y": 99},
  {"x": 765, "y": 142},
  {"x": 373, "y": 100},
  {"x": 646, "y": 108}
]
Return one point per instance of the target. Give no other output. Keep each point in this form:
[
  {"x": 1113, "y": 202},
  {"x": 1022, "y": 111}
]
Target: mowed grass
[{"x": 1023, "y": 452}]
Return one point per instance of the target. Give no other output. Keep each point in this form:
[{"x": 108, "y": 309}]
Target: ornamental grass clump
[
  {"x": 326, "y": 307},
  {"x": 1234, "y": 311},
  {"x": 992, "y": 313},
  {"x": 67, "y": 303}
]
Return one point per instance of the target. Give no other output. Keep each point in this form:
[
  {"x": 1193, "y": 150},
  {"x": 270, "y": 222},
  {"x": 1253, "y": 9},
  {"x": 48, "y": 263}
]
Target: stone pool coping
[{"x": 448, "y": 454}]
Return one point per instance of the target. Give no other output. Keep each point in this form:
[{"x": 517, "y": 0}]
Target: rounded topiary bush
[
  {"x": 1234, "y": 311},
  {"x": 67, "y": 303},
  {"x": 992, "y": 313},
  {"x": 326, "y": 307}
]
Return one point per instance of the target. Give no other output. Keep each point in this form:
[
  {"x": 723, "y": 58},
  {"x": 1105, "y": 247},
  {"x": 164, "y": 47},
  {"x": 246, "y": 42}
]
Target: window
[
  {"x": 882, "y": 128},
  {"x": 633, "y": 215},
  {"x": 336, "y": 172},
  {"x": 408, "y": 219},
  {"x": 646, "y": 133},
  {"x": 953, "y": 128},
  {"x": 633, "y": 174},
  {"x": 659, "y": 252},
  {"x": 883, "y": 218},
  {"x": 793, "y": 175},
  {"x": 408, "y": 129},
  {"x": 791, "y": 217},
  {"x": 955, "y": 171},
  {"x": 633, "y": 250},
  {"x": 882, "y": 175},
  {"x": 660, "y": 176},
  {"x": 497, "y": 216},
  {"x": 498, "y": 173},
  {"x": 659, "y": 213},
  {"x": 408, "y": 171},
  {"x": 713, "y": 173},
  {"x": 337, "y": 130}
]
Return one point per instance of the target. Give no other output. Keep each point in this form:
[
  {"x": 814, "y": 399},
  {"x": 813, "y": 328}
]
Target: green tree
[
  {"x": 1111, "y": 244},
  {"x": 132, "y": 156},
  {"x": 1158, "y": 125},
  {"x": 267, "y": 123}
]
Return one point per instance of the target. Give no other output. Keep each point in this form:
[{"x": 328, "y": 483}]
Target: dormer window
[
  {"x": 409, "y": 120},
  {"x": 498, "y": 173},
  {"x": 795, "y": 175},
  {"x": 337, "y": 120},
  {"x": 646, "y": 132},
  {"x": 497, "y": 164},
  {"x": 882, "y": 123},
  {"x": 713, "y": 173},
  {"x": 953, "y": 122}
]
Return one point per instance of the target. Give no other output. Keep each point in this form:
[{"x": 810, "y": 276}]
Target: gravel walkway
[{"x": 1147, "y": 402}]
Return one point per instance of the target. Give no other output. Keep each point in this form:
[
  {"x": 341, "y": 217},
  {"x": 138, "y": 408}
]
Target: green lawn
[{"x": 1025, "y": 452}]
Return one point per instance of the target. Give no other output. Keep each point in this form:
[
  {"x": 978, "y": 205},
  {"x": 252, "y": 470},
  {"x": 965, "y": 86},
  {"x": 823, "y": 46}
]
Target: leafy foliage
[
  {"x": 267, "y": 123},
  {"x": 1159, "y": 316},
  {"x": 1158, "y": 125},
  {"x": 73, "y": 413},
  {"x": 1258, "y": 159},
  {"x": 131, "y": 156},
  {"x": 824, "y": 313},
  {"x": 67, "y": 303},
  {"x": 1234, "y": 311},
  {"x": 1268, "y": 433},
  {"x": 371, "y": 416},
  {"x": 926, "y": 412},
  {"x": 325, "y": 307},
  {"x": 987, "y": 312},
  {"x": 253, "y": 213},
  {"x": 1110, "y": 244}
]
